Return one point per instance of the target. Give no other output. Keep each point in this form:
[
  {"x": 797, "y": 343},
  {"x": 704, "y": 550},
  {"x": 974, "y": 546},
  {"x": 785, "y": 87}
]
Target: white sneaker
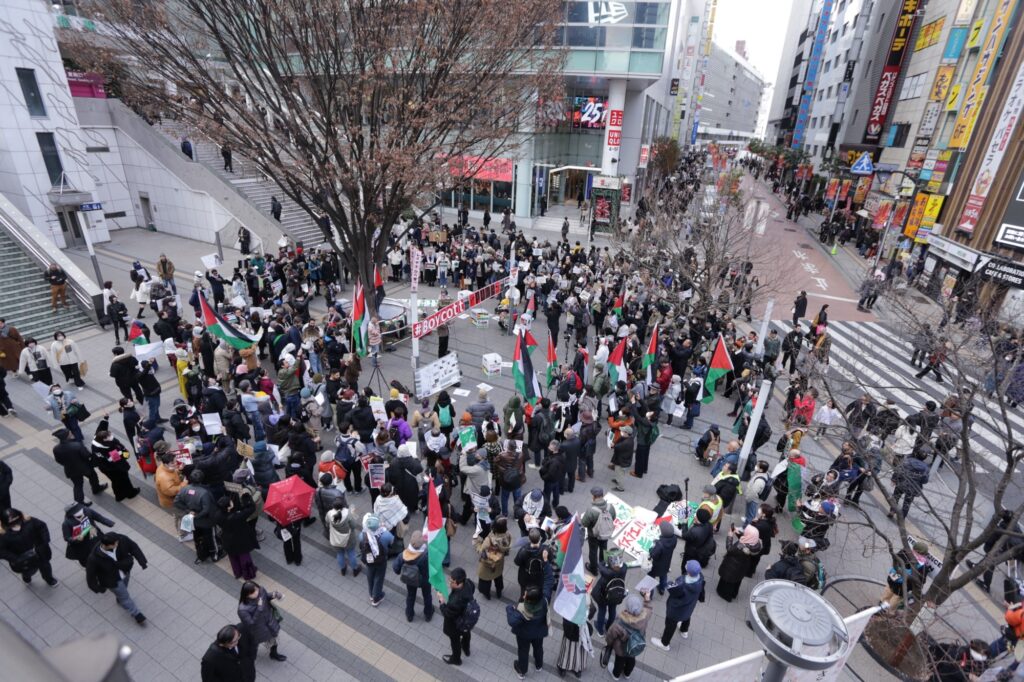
[
  {"x": 657, "y": 642},
  {"x": 185, "y": 538},
  {"x": 532, "y": 465},
  {"x": 684, "y": 635}
]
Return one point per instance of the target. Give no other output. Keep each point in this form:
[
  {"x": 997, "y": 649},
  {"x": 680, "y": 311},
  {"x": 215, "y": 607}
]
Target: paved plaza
[{"x": 329, "y": 631}]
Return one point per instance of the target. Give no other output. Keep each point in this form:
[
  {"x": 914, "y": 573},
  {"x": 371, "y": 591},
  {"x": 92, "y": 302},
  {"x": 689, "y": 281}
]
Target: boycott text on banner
[{"x": 450, "y": 312}]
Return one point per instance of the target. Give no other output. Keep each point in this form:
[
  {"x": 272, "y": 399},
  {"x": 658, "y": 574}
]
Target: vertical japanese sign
[
  {"x": 898, "y": 48},
  {"x": 976, "y": 86},
  {"x": 916, "y": 214},
  {"x": 994, "y": 152},
  {"x": 811, "y": 78},
  {"x": 931, "y": 215},
  {"x": 614, "y": 129}
]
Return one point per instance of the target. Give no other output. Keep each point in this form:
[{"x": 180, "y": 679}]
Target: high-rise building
[
  {"x": 788, "y": 80},
  {"x": 733, "y": 91}
]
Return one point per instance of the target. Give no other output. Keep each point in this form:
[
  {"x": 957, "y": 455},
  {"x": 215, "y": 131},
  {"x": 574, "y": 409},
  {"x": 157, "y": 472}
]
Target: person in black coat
[
  {"x": 112, "y": 458},
  {"x": 231, "y": 658},
  {"x": 571, "y": 448},
  {"x": 238, "y": 536},
  {"x": 109, "y": 567},
  {"x": 459, "y": 595},
  {"x": 415, "y": 554},
  {"x": 25, "y": 545},
  {"x": 699, "y": 541},
  {"x": 661, "y": 555},
  {"x": 81, "y": 531},
  {"x": 799, "y": 307},
  {"x": 124, "y": 370},
  {"x": 6, "y": 481},
  {"x": 77, "y": 462}
]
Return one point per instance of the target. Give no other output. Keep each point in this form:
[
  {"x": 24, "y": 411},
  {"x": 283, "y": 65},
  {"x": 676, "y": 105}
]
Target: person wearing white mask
[{"x": 65, "y": 351}]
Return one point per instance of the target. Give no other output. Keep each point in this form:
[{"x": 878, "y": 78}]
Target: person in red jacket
[
  {"x": 664, "y": 378},
  {"x": 803, "y": 408}
]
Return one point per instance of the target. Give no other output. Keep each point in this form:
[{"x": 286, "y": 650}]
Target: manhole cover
[{"x": 804, "y": 245}]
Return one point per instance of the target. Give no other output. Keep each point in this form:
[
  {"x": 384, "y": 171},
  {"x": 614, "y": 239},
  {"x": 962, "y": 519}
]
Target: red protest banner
[{"x": 450, "y": 312}]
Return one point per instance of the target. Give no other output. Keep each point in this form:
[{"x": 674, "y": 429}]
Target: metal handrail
[{"x": 88, "y": 300}]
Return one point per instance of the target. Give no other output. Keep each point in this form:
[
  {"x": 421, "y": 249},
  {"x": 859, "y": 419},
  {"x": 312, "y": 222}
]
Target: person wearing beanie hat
[
  {"x": 699, "y": 540},
  {"x": 460, "y": 596},
  {"x": 661, "y": 554},
  {"x": 412, "y": 569},
  {"x": 374, "y": 543},
  {"x": 636, "y": 614},
  {"x": 683, "y": 594}
]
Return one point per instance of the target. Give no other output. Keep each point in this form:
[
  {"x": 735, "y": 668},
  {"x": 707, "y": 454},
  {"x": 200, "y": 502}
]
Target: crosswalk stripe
[
  {"x": 857, "y": 371},
  {"x": 867, "y": 342}
]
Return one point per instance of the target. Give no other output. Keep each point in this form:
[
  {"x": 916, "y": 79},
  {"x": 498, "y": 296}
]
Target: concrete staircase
[
  {"x": 250, "y": 183},
  {"x": 25, "y": 295}
]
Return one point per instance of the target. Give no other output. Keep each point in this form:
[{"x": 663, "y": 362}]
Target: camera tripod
[{"x": 378, "y": 375}]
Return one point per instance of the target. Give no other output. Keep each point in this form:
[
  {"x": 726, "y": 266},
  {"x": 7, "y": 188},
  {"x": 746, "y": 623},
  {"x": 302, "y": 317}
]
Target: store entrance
[{"x": 575, "y": 185}]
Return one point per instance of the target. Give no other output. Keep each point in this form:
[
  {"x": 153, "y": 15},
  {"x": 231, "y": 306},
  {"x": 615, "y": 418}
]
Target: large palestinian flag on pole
[
  {"x": 360, "y": 321},
  {"x": 617, "y": 363},
  {"x": 552, "y": 372},
  {"x": 222, "y": 329},
  {"x": 651, "y": 355},
  {"x": 721, "y": 364},
  {"x": 437, "y": 542},
  {"x": 570, "y": 600},
  {"x": 522, "y": 369}
]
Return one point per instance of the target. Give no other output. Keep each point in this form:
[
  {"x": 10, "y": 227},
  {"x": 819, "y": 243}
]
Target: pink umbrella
[{"x": 289, "y": 500}]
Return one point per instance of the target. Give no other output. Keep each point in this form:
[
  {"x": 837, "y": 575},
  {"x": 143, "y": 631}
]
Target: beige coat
[{"x": 494, "y": 541}]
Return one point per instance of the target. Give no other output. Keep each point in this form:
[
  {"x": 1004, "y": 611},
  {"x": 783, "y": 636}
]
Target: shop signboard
[
  {"x": 940, "y": 86},
  {"x": 929, "y": 218},
  {"x": 939, "y": 171},
  {"x": 1011, "y": 227},
  {"x": 811, "y": 75},
  {"x": 863, "y": 186},
  {"x": 916, "y": 213},
  {"x": 929, "y": 34},
  {"x": 1002, "y": 271},
  {"x": 994, "y": 152},
  {"x": 976, "y": 86},
  {"x": 898, "y": 47},
  {"x": 965, "y": 12},
  {"x": 954, "y": 45},
  {"x": 929, "y": 119}
]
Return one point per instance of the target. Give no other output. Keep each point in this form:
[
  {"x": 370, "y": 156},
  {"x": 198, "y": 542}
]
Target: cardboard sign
[
  {"x": 377, "y": 407},
  {"x": 244, "y": 449},
  {"x": 212, "y": 261}
]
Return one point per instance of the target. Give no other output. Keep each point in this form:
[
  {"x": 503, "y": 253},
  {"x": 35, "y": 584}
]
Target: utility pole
[{"x": 755, "y": 419}]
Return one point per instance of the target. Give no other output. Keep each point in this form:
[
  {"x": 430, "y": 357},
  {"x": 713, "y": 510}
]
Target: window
[
  {"x": 828, "y": 65},
  {"x": 835, "y": 36},
  {"x": 913, "y": 86},
  {"x": 48, "y": 147},
  {"x": 846, "y": 27},
  {"x": 842, "y": 5},
  {"x": 898, "y": 133},
  {"x": 828, "y": 93},
  {"x": 30, "y": 89}
]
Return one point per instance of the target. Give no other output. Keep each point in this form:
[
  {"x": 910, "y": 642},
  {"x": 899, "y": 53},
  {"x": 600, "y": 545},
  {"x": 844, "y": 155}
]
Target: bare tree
[
  {"x": 355, "y": 108},
  {"x": 706, "y": 237},
  {"x": 959, "y": 511}
]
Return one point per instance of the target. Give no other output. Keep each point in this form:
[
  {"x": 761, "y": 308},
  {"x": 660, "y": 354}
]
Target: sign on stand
[{"x": 439, "y": 374}]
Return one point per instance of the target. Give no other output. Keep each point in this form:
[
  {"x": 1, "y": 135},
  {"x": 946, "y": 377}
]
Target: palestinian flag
[
  {"x": 552, "y": 373},
  {"x": 222, "y": 329},
  {"x": 620, "y": 300},
  {"x": 582, "y": 364},
  {"x": 531, "y": 306},
  {"x": 721, "y": 364},
  {"x": 651, "y": 355},
  {"x": 437, "y": 542},
  {"x": 561, "y": 542},
  {"x": 137, "y": 334},
  {"x": 617, "y": 363},
  {"x": 378, "y": 281},
  {"x": 522, "y": 369},
  {"x": 570, "y": 600},
  {"x": 360, "y": 322}
]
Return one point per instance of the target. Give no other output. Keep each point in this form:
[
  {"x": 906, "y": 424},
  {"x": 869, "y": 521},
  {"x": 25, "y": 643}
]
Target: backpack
[
  {"x": 604, "y": 525},
  {"x": 766, "y": 490},
  {"x": 337, "y": 523},
  {"x": 615, "y": 591},
  {"x": 535, "y": 567},
  {"x": 444, "y": 415},
  {"x": 410, "y": 574},
  {"x": 343, "y": 453},
  {"x": 510, "y": 478},
  {"x": 470, "y": 615},
  {"x": 816, "y": 578},
  {"x": 635, "y": 643}
]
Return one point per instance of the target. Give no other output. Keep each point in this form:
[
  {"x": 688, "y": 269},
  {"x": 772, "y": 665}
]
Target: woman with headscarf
[
  {"x": 740, "y": 548},
  {"x": 636, "y": 614}
]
